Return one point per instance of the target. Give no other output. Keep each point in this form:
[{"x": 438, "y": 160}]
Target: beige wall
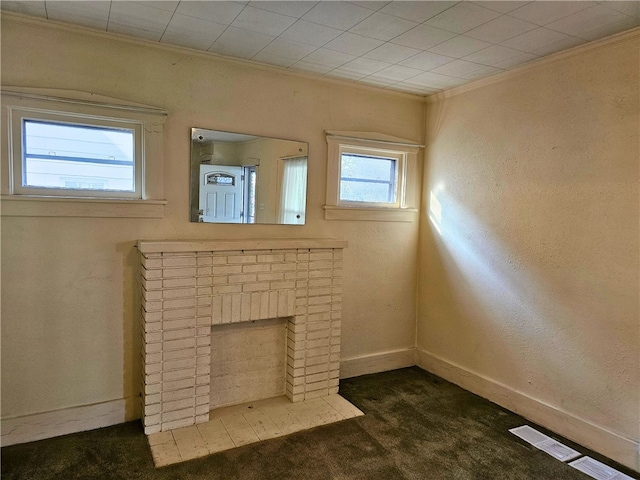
[
  {"x": 529, "y": 283},
  {"x": 69, "y": 330}
]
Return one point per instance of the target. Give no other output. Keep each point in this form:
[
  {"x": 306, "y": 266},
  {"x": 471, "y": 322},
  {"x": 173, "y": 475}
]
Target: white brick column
[{"x": 188, "y": 287}]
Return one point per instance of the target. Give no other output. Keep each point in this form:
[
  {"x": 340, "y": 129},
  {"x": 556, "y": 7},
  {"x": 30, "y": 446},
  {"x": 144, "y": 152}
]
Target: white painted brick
[
  {"x": 314, "y": 369},
  {"x": 172, "y": 293},
  {"x": 150, "y": 263},
  {"x": 203, "y": 400},
  {"x": 317, "y": 256},
  {"x": 173, "y": 375},
  {"x": 336, "y": 306},
  {"x": 318, "y": 308},
  {"x": 243, "y": 278},
  {"x": 180, "y": 364},
  {"x": 312, "y": 352},
  {"x": 203, "y": 271},
  {"x": 178, "y": 414},
  {"x": 226, "y": 309},
  {"x": 320, "y": 359},
  {"x": 204, "y": 281},
  {"x": 290, "y": 257},
  {"x": 178, "y": 354},
  {"x": 179, "y": 313},
  {"x": 152, "y": 305},
  {"x": 203, "y": 341},
  {"x": 152, "y": 409},
  {"x": 260, "y": 268},
  {"x": 204, "y": 261},
  {"x": 178, "y": 384},
  {"x": 317, "y": 377},
  {"x": 152, "y": 399},
  {"x": 216, "y": 309},
  {"x": 151, "y": 429},
  {"x": 150, "y": 295},
  {"x": 283, "y": 285},
  {"x": 254, "y": 313},
  {"x": 204, "y": 311},
  {"x": 152, "y": 388},
  {"x": 185, "y": 422},
  {"x": 303, "y": 257},
  {"x": 152, "y": 326},
  {"x": 179, "y": 344},
  {"x": 241, "y": 259},
  {"x": 270, "y": 258},
  {"x": 178, "y": 404},
  {"x": 227, "y": 269},
  {"x": 236, "y": 303},
  {"x": 226, "y": 289},
  {"x": 219, "y": 260},
  {"x": 153, "y": 348},
  {"x": 202, "y": 291},
  {"x": 178, "y": 394},
  {"x": 283, "y": 267},
  {"x": 202, "y": 418},
  {"x": 153, "y": 357},
  {"x": 266, "y": 277},
  {"x": 325, "y": 299},
  {"x": 255, "y": 287},
  {"x": 151, "y": 274},
  {"x": 245, "y": 307},
  {"x": 202, "y": 409},
  {"x": 151, "y": 420},
  {"x": 187, "y": 261},
  {"x": 179, "y": 323},
  {"x": 151, "y": 316},
  {"x": 320, "y": 282},
  {"x": 153, "y": 337},
  {"x": 320, "y": 273},
  {"x": 338, "y": 254},
  {"x": 273, "y": 304},
  {"x": 177, "y": 334},
  {"x": 152, "y": 368},
  {"x": 179, "y": 282},
  {"x": 205, "y": 350},
  {"x": 179, "y": 272},
  {"x": 204, "y": 301},
  {"x": 151, "y": 284}
]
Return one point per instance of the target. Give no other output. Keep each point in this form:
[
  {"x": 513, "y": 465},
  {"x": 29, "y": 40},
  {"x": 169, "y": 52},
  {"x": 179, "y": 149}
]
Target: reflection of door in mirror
[
  {"x": 293, "y": 190},
  {"x": 221, "y": 194}
]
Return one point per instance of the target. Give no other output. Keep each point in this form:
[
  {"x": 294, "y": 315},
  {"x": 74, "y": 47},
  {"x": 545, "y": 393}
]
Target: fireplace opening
[{"x": 248, "y": 362}]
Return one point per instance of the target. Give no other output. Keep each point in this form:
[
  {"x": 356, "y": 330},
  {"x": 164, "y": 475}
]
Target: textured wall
[
  {"x": 69, "y": 334},
  {"x": 529, "y": 262}
]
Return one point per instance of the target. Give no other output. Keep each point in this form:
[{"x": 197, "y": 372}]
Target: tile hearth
[{"x": 232, "y": 427}]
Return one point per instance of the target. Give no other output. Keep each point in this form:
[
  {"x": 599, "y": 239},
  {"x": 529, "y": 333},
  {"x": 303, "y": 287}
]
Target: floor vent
[
  {"x": 545, "y": 443},
  {"x": 598, "y": 470}
]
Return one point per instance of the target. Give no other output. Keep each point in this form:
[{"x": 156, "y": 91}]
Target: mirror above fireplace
[{"x": 242, "y": 178}]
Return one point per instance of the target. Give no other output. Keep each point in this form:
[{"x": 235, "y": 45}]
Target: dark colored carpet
[{"x": 417, "y": 426}]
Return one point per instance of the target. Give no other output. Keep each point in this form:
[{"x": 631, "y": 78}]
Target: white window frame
[
  {"x": 405, "y": 207},
  {"x": 82, "y": 109}
]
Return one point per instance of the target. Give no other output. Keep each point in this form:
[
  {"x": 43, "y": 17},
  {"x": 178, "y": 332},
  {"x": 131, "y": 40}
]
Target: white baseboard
[
  {"x": 29, "y": 428},
  {"x": 621, "y": 449},
  {"x": 377, "y": 362}
]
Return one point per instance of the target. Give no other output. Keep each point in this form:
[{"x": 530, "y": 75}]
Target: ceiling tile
[
  {"x": 501, "y": 6},
  {"x": 435, "y": 80},
  {"x": 373, "y": 5},
  {"x": 344, "y": 74},
  {"x": 464, "y": 69},
  {"x": 409, "y": 88},
  {"x": 416, "y": 11},
  {"x": 382, "y": 26},
  {"x": 391, "y": 53},
  {"x": 290, "y": 8},
  {"x": 219, "y": 12},
  {"x": 513, "y": 61},
  {"x": 353, "y": 44},
  {"x": 493, "y": 55},
  {"x": 138, "y": 14},
  {"x": 36, "y": 9},
  {"x": 340, "y": 15},
  {"x": 262, "y": 21},
  {"x": 628, "y": 8},
  {"x": 363, "y": 66},
  {"x": 501, "y": 29},
  {"x": 459, "y": 46},
  {"x": 88, "y": 14},
  {"x": 398, "y": 73},
  {"x": 426, "y": 61},
  {"x": 283, "y": 52},
  {"x": 236, "y": 42},
  {"x": 544, "y": 12},
  {"x": 330, "y": 58},
  {"x": 423, "y": 37},
  {"x": 311, "y": 33},
  {"x": 542, "y": 41},
  {"x": 377, "y": 81},
  {"x": 592, "y": 22},
  {"x": 192, "y": 32},
  {"x": 462, "y": 17},
  {"x": 169, "y": 6}
]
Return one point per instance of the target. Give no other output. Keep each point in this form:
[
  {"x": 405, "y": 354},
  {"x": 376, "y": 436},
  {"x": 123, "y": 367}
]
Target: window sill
[
  {"x": 36, "y": 206},
  {"x": 380, "y": 214}
]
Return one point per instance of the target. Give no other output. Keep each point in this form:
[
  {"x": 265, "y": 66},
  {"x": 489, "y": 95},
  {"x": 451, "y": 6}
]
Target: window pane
[
  {"x": 367, "y": 179},
  {"x": 67, "y": 156}
]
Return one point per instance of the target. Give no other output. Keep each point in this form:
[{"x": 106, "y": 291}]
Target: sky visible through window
[
  {"x": 367, "y": 179},
  {"x": 70, "y": 156}
]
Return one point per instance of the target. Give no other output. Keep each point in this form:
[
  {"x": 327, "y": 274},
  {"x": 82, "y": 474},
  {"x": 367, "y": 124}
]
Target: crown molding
[{"x": 538, "y": 63}]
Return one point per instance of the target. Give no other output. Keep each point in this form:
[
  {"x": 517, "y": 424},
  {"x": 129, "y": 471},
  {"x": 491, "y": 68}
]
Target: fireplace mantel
[{"x": 190, "y": 286}]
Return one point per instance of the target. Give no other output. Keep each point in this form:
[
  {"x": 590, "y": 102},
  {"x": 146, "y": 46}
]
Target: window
[
  {"x": 370, "y": 177},
  {"x": 73, "y": 150}
]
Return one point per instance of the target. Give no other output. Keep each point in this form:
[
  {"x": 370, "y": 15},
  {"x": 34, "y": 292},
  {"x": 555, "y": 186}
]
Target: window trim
[
  {"x": 89, "y": 109},
  {"x": 406, "y": 207}
]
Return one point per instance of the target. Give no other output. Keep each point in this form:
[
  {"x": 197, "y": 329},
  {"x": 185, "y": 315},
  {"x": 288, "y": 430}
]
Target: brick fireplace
[{"x": 190, "y": 287}]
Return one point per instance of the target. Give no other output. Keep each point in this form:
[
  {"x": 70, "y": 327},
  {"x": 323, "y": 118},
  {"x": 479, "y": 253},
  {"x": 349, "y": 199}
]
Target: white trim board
[
  {"x": 29, "y": 428},
  {"x": 623, "y": 450},
  {"x": 377, "y": 362}
]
